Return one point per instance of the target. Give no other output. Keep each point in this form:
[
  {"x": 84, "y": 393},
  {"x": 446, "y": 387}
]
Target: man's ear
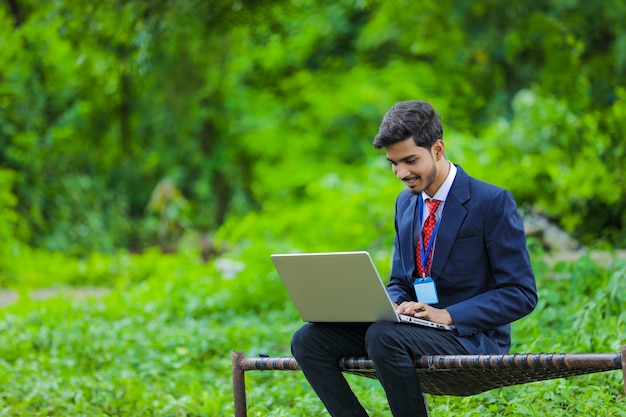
[{"x": 437, "y": 149}]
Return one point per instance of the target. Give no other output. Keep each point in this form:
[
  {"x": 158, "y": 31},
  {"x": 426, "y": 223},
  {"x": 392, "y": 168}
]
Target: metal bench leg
[{"x": 239, "y": 386}]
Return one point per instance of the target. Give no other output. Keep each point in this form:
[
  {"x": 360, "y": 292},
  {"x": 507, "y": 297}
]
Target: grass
[{"x": 159, "y": 343}]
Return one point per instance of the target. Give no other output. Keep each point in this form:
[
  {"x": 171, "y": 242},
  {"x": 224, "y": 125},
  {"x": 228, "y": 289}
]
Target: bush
[
  {"x": 159, "y": 343},
  {"x": 8, "y": 224},
  {"x": 559, "y": 160}
]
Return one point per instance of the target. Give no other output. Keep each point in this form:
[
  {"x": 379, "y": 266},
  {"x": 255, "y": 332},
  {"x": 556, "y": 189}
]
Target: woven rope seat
[
  {"x": 458, "y": 375},
  {"x": 472, "y": 374},
  {"x": 465, "y": 375}
]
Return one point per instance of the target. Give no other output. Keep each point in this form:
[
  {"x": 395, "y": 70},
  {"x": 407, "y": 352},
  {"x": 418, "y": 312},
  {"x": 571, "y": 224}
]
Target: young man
[{"x": 465, "y": 264}]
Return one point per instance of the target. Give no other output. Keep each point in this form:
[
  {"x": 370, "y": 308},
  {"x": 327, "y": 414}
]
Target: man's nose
[{"x": 401, "y": 171}]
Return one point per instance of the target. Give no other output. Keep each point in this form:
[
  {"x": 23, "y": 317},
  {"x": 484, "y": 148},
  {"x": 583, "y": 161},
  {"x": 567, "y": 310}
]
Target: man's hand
[{"x": 424, "y": 311}]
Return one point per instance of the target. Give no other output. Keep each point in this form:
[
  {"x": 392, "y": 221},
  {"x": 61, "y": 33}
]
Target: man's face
[{"x": 414, "y": 165}]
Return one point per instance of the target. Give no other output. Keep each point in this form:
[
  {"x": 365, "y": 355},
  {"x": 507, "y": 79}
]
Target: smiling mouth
[{"x": 410, "y": 181}]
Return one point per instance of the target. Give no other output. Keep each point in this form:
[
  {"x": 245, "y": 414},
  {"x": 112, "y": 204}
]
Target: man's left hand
[{"x": 426, "y": 312}]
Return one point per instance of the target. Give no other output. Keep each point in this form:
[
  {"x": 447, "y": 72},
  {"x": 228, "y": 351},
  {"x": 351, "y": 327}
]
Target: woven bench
[{"x": 458, "y": 375}]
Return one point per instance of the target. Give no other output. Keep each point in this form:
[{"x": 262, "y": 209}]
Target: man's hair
[{"x": 410, "y": 119}]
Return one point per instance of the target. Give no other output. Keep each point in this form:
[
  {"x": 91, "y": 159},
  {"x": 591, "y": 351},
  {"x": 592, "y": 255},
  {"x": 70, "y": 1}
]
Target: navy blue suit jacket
[{"x": 480, "y": 262}]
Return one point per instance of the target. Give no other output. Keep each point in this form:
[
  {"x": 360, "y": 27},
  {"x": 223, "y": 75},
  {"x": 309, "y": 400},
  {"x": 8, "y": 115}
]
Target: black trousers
[{"x": 318, "y": 346}]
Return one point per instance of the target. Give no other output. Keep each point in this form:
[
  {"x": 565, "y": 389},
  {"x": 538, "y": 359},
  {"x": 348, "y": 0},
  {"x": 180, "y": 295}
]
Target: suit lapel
[
  {"x": 453, "y": 216},
  {"x": 408, "y": 235}
]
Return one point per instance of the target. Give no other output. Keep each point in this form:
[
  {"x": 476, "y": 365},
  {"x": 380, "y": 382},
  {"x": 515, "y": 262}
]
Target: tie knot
[{"x": 432, "y": 205}]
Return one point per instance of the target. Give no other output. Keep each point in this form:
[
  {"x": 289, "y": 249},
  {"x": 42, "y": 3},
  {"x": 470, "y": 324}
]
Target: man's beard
[{"x": 429, "y": 180}]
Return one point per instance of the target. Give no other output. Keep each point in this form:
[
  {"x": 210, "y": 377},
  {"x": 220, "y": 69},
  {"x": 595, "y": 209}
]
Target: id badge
[{"x": 426, "y": 290}]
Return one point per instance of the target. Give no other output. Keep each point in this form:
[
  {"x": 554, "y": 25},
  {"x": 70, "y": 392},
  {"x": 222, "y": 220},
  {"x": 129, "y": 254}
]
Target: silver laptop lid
[{"x": 335, "y": 286}]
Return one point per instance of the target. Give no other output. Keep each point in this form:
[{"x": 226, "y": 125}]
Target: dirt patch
[
  {"x": 603, "y": 258},
  {"x": 8, "y": 297}
]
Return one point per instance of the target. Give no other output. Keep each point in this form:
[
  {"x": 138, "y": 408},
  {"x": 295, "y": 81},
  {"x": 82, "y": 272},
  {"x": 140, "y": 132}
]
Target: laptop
[{"x": 340, "y": 287}]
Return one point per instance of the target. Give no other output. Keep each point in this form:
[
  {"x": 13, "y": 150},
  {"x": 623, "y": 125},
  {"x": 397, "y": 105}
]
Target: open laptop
[{"x": 339, "y": 287}]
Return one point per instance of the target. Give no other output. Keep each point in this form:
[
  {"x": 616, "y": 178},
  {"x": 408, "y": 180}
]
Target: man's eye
[{"x": 411, "y": 161}]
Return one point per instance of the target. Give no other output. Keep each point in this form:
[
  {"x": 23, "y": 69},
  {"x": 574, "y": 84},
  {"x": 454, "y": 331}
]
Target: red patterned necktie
[{"x": 427, "y": 231}]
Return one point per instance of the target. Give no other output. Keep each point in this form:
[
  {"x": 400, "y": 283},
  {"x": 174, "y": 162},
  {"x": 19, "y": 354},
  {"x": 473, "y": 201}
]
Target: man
[{"x": 471, "y": 270}]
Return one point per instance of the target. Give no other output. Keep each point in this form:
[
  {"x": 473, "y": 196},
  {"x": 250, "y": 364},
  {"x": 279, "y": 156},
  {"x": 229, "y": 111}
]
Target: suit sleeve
[
  {"x": 511, "y": 292},
  {"x": 400, "y": 287}
]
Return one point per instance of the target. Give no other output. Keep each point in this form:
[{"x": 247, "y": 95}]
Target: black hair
[{"x": 410, "y": 119}]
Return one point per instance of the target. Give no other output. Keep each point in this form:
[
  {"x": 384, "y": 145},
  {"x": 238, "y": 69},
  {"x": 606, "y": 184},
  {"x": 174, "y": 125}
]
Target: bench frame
[{"x": 459, "y": 375}]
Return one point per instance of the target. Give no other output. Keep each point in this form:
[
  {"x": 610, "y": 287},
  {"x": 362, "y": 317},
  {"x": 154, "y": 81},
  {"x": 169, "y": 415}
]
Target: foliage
[
  {"x": 238, "y": 104},
  {"x": 100, "y": 102},
  {"x": 231, "y": 130},
  {"x": 159, "y": 343},
  {"x": 8, "y": 221}
]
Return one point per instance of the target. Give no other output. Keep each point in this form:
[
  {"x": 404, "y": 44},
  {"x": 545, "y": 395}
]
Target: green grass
[{"x": 159, "y": 343}]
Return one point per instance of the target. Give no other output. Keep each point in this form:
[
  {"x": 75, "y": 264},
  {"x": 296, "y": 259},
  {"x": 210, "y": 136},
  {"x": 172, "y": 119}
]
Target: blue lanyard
[{"x": 425, "y": 251}]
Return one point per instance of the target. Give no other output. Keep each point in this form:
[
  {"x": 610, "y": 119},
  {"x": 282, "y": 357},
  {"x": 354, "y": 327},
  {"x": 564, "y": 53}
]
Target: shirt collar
[{"x": 444, "y": 190}]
